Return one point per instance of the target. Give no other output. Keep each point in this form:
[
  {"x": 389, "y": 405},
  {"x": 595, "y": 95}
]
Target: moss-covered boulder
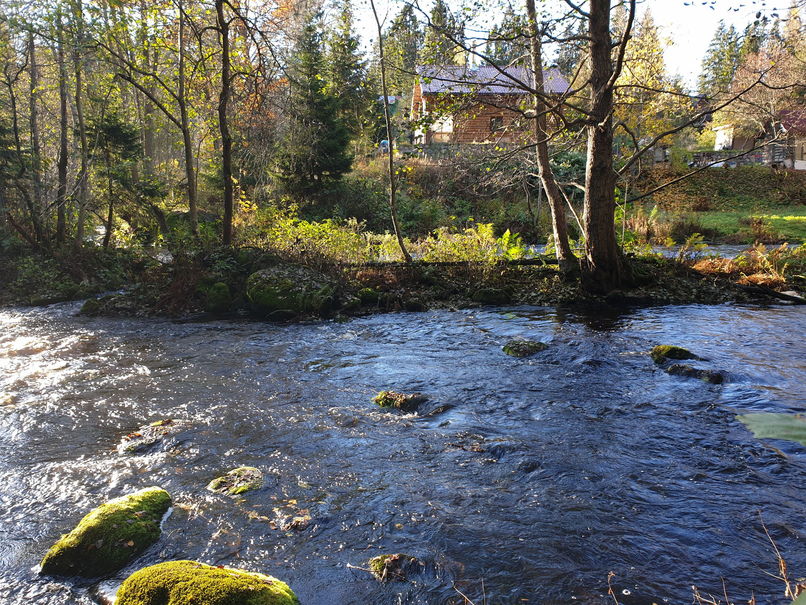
[
  {"x": 407, "y": 402},
  {"x": 682, "y": 369},
  {"x": 393, "y": 567},
  {"x": 110, "y": 536},
  {"x": 491, "y": 296},
  {"x": 218, "y": 298},
  {"x": 662, "y": 353},
  {"x": 90, "y": 307},
  {"x": 193, "y": 583},
  {"x": 287, "y": 291},
  {"x": 237, "y": 481},
  {"x": 524, "y": 348},
  {"x": 369, "y": 296}
]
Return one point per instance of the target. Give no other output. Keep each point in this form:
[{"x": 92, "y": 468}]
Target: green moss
[
  {"x": 110, "y": 536},
  {"x": 368, "y": 296},
  {"x": 219, "y": 298},
  {"x": 91, "y": 306},
  {"x": 492, "y": 296},
  {"x": 237, "y": 481},
  {"x": 661, "y": 353},
  {"x": 189, "y": 582},
  {"x": 287, "y": 291},
  {"x": 399, "y": 401},
  {"x": 524, "y": 348},
  {"x": 392, "y": 567}
]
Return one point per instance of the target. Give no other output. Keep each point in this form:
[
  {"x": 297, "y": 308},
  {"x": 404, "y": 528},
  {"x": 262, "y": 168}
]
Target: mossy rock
[
  {"x": 110, "y": 536},
  {"x": 368, "y": 296},
  {"x": 662, "y": 353},
  {"x": 237, "y": 481},
  {"x": 524, "y": 348},
  {"x": 218, "y": 299},
  {"x": 90, "y": 307},
  {"x": 395, "y": 567},
  {"x": 491, "y": 296},
  {"x": 682, "y": 369},
  {"x": 193, "y": 583},
  {"x": 287, "y": 291},
  {"x": 407, "y": 402},
  {"x": 414, "y": 305},
  {"x": 147, "y": 437}
]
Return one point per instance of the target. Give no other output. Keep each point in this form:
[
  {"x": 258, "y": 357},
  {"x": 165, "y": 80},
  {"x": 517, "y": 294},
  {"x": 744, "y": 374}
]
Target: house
[
  {"x": 459, "y": 104},
  {"x": 793, "y": 127},
  {"x": 782, "y": 141}
]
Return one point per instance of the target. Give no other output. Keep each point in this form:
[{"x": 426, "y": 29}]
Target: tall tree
[
  {"x": 721, "y": 61},
  {"x": 403, "y": 41},
  {"x": 444, "y": 38},
  {"x": 314, "y": 150}
]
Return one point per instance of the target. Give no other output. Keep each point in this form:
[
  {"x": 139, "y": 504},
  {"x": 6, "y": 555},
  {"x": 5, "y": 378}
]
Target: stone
[
  {"x": 237, "y": 481},
  {"x": 682, "y": 369},
  {"x": 110, "y": 536},
  {"x": 286, "y": 291},
  {"x": 662, "y": 353},
  {"x": 524, "y": 348},
  {"x": 190, "y": 582},
  {"x": 395, "y": 567},
  {"x": 406, "y": 402}
]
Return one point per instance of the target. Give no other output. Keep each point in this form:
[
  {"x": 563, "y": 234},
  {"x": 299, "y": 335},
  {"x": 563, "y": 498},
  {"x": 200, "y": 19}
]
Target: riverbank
[{"x": 258, "y": 283}]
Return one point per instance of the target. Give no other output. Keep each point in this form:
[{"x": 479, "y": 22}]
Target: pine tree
[
  {"x": 347, "y": 71},
  {"x": 721, "y": 61},
  {"x": 402, "y": 43},
  {"x": 507, "y": 43},
  {"x": 314, "y": 150},
  {"x": 441, "y": 37}
]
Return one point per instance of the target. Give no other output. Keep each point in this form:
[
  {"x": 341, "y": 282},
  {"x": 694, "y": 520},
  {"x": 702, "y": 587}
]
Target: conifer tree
[
  {"x": 314, "y": 150},
  {"x": 442, "y": 33},
  {"x": 721, "y": 61},
  {"x": 402, "y": 42}
]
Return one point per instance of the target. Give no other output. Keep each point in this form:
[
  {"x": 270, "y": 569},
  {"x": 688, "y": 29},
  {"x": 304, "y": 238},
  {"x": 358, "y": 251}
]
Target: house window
[{"x": 496, "y": 124}]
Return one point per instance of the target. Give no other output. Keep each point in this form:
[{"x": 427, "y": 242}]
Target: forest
[{"x": 452, "y": 302}]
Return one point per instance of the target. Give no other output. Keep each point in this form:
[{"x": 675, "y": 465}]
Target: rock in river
[
  {"x": 524, "y": 348},
  {"x": 237, "y": 481},
  {"x": 407, "y": 402},
  {"x": 682, "y": 369},
  {"x": 110, "y": 536},
  {"x": 662, "y": 353},
  {"x": 190, "y": 582},
  {"x": 286, "y": 291},
  {"x": 147, "y": 437},
  {"x": 393, "y": 567}
]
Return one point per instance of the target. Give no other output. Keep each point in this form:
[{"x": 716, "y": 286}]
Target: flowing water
[{"x": 528, "y": 482}]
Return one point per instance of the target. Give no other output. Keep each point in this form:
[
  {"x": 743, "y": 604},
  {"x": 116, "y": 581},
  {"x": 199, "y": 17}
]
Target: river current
[{"x": 522, "y": 480}]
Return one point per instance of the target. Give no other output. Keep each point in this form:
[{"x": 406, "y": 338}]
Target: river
[{"x": 539, "y": 477}]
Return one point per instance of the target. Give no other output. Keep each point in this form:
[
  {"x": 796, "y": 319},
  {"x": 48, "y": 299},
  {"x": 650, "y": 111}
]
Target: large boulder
[
  {"x": 110, "y": 536},
  {"x": 287, "y": 291},
  {"x": 395, "y": 567},
  {"x": 190, "y": 582},
  {"x": 407, "y": 402}
]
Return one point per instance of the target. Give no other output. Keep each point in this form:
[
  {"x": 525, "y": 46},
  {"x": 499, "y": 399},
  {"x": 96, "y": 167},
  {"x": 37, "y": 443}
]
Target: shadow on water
[{"x": 539, "y": 477}]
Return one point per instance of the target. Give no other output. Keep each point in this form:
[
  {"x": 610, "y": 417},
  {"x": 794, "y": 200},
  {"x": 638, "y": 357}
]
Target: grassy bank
[{"x": 732, "y": 205}]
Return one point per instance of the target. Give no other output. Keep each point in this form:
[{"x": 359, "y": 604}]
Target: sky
[{"x": 689, "y": 24}]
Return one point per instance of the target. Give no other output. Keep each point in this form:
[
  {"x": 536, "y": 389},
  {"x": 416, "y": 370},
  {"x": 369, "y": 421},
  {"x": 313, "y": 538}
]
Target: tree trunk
[
  {"x": 111, "y": 211},
  {"x": 388, "y": 121},
  {"x": 603, "y": 268},
  {"x": 61, "y": 191},
  {"x": 149, "y": 147},
  {"x": 223, "y": 125},
  {"x": 565, "y": 257},
  {"x": 190, "y": 169},
  {"x": 83, "y": 184},
  {"x": 36, "y": 159}
]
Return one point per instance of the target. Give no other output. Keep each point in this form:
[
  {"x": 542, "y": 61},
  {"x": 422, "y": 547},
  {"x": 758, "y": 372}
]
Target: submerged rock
[
  {"x": 395, "y": 567},
  {"x": 524, "y": 348},
  {"x": 190, "y": 582},
  {"x": 682, "y": 369},
  {"x": 407, "y": 402},
  {"x": 662, "y": 353},
  {"x": 110, "y": 536},
  {"x": 287, "y": 291},
  {"x": 237, "y": 481},
  {"x": 146, "y": 437}
]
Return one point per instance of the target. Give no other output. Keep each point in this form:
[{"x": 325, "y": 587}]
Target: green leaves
[{"x": 791, "y": 427}]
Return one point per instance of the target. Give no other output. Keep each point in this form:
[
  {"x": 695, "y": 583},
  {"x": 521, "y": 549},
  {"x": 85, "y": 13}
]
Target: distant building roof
[{"x": 435, "y": 79}]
